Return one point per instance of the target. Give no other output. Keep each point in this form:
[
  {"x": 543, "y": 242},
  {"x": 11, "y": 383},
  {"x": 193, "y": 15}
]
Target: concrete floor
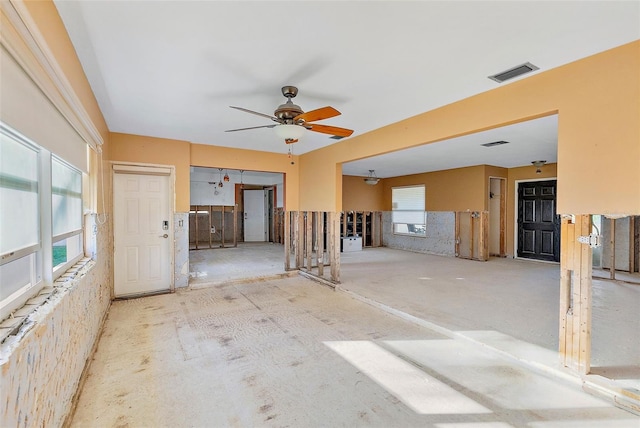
[{"x": 291, "y": 352}]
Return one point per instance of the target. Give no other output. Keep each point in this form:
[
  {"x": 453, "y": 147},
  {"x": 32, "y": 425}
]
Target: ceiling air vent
[
  {"x": 519, "y": 70},
  {"x": 495, "y": 143}
]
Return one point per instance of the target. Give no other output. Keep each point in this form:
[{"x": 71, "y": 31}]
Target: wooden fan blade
[
  {"x": 333, "y": 130},
  {"x": 317, "y": 114},
  {"x": 252, "y": 127},
  {"x": 275, "y": 119}
]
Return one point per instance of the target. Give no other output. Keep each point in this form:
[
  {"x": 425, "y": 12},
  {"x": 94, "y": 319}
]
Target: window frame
[
  {"x": 405, "y": 227},
  {"x": 41, "y": 269},
  {"x": 59, "y": 269}
]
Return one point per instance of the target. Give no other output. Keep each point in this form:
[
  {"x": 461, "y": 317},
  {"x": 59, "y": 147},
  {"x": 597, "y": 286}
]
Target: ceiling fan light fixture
[
  {"x": 289, "y": 132},
  {"x": 372, "y": 180}
]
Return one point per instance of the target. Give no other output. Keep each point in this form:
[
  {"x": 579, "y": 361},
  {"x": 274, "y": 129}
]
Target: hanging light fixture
[
  {"x": 220, "y": 182},
  {"x": 226, "y": 176},
  {"x": 241, "y": 182},
  {"x": 289, "y": 133},
  {"x": 372, "y": 179},
  {"x": 538, "y": 164}
]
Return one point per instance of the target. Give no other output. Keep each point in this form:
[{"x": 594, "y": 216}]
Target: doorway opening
[
  {"x": 497, "y": 216},
  {"x": 236, "y": 211}
]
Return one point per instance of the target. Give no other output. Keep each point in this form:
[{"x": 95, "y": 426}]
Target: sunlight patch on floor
[{"x": 416, "y": 389}]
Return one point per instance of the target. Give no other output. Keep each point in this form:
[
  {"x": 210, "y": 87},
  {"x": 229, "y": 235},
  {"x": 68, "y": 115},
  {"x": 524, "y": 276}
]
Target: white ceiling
[{"x": 171, "y": 69}]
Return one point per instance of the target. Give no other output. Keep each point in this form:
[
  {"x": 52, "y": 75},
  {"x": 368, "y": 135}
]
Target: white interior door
[
  {"x": 142, "y": 234},
  {"x": 254, "y": 216}
]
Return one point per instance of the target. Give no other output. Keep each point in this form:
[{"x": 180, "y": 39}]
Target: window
[
  {"x": 408, "y": 215},
  {"x": 40, "y": 218},
  {"x": 20, "y": 244},
  {"x": 66, "y": 212}
]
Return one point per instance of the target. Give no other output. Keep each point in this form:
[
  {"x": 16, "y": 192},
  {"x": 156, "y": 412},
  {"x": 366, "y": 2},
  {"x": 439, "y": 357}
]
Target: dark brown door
[{"x": 538, "y": 224}]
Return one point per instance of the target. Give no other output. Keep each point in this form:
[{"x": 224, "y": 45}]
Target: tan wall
[
  {"x": 524, "y": 173},
  {"x": 251, "y": 160},
  {"x": 458, "y": 189},
  {"x": 136, "y": 148},
  {"x": 598, "y": 132},
  {"x": 360, "y": 196}
]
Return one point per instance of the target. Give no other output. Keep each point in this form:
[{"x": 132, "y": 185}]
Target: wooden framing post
[
  {"x": 632, "y": 244},
  {"x": 334, "y": 239},
  {"x": 300, "y": 240},
  {"x": 287, "y": 240},
  {"x": 612, "y": 247},
  {"x": 222, "y": 227},
  {"x": 320, "y": 242},
  {"x": 575, "y": 295},
  {"x": 235, "y": 226},
  {"x": 308, "y": 228}
]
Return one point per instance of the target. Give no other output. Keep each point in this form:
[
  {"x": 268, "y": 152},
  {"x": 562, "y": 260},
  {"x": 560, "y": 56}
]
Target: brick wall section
[{"x": 41, "y": 366}]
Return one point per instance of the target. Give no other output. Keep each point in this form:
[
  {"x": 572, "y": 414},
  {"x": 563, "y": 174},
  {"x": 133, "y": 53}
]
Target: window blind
[
  {"x": 408, "y": 204},
  {"x": 26, "y": 109}
]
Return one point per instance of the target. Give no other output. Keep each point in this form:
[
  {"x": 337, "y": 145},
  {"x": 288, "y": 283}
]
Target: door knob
[{"x": 164, "y": 236}]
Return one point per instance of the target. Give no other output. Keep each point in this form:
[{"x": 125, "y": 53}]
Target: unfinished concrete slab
[
  {"x": 291, "y": 352},
  {"x": 247, "y": 260}
]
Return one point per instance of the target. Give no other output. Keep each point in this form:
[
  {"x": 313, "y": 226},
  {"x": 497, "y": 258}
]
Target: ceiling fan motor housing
[{"x": 288, "y": 111}]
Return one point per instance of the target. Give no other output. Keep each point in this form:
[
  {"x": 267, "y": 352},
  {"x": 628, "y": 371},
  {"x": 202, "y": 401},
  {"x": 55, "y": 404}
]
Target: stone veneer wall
[
  {"x": 181, "y": 250},
  {"x": 41, "y": 366},
  {"x": 440, "y": 239}
]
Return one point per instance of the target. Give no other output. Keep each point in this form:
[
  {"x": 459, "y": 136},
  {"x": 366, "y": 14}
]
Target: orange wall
[
  {"x": 360, "y": 196},
  {"x": 150, "y": 150},
  {"x": 251, "y": 160},
  {"x": 458, "y": 189},
  {"x": 598, "y": 131},
  {"x": 524, "y": 173}
]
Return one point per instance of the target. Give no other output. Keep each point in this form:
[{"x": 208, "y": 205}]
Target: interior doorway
[
  {"x": 538, "y": 229},
  {"x": 497, "y": 216},
  {"x": 255, "y": 216}
]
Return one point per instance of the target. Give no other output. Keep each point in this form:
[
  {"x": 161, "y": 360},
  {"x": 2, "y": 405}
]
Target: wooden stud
[
  {"x": 222, "y": 227},
  {"x": 196, "y": 222},
  {"x": 300, "y": 245},
  {"x": 565, "y": 287},
  {"x": 309, "y": 238},
  {"x": 287, "y": 241},
  {"x": 575, "y": 295},
  {"x": 472, "y": 236},
  {"x": 457, "y": 234},
  {"x": 365, "y": 214},
  {"x": 632, "y": 244},
  {"x": 334, "y": 238},
  {"x": 235, "y": 226},
  {"x": 612, "y": 247},
  {"x": 294, "y": 235},
  {"x": 320, "y": 242},
  {"x": 503, "y": 217},
  {"x": 584, "y": 361}
]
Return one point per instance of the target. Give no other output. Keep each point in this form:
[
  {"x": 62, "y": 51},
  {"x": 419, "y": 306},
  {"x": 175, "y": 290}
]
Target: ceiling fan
[{"x": 292, "y": 120}]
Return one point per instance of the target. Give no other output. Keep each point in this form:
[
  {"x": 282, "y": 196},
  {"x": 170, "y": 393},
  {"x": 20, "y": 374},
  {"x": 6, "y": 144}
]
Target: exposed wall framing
[
  {"x": 212, "y": 226},
  {"x": 311, "y": 242},
  {"x": 575, "y": 294},
  {"x": 367, "y": 224},
  {"x": 472, "y": 235}
]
